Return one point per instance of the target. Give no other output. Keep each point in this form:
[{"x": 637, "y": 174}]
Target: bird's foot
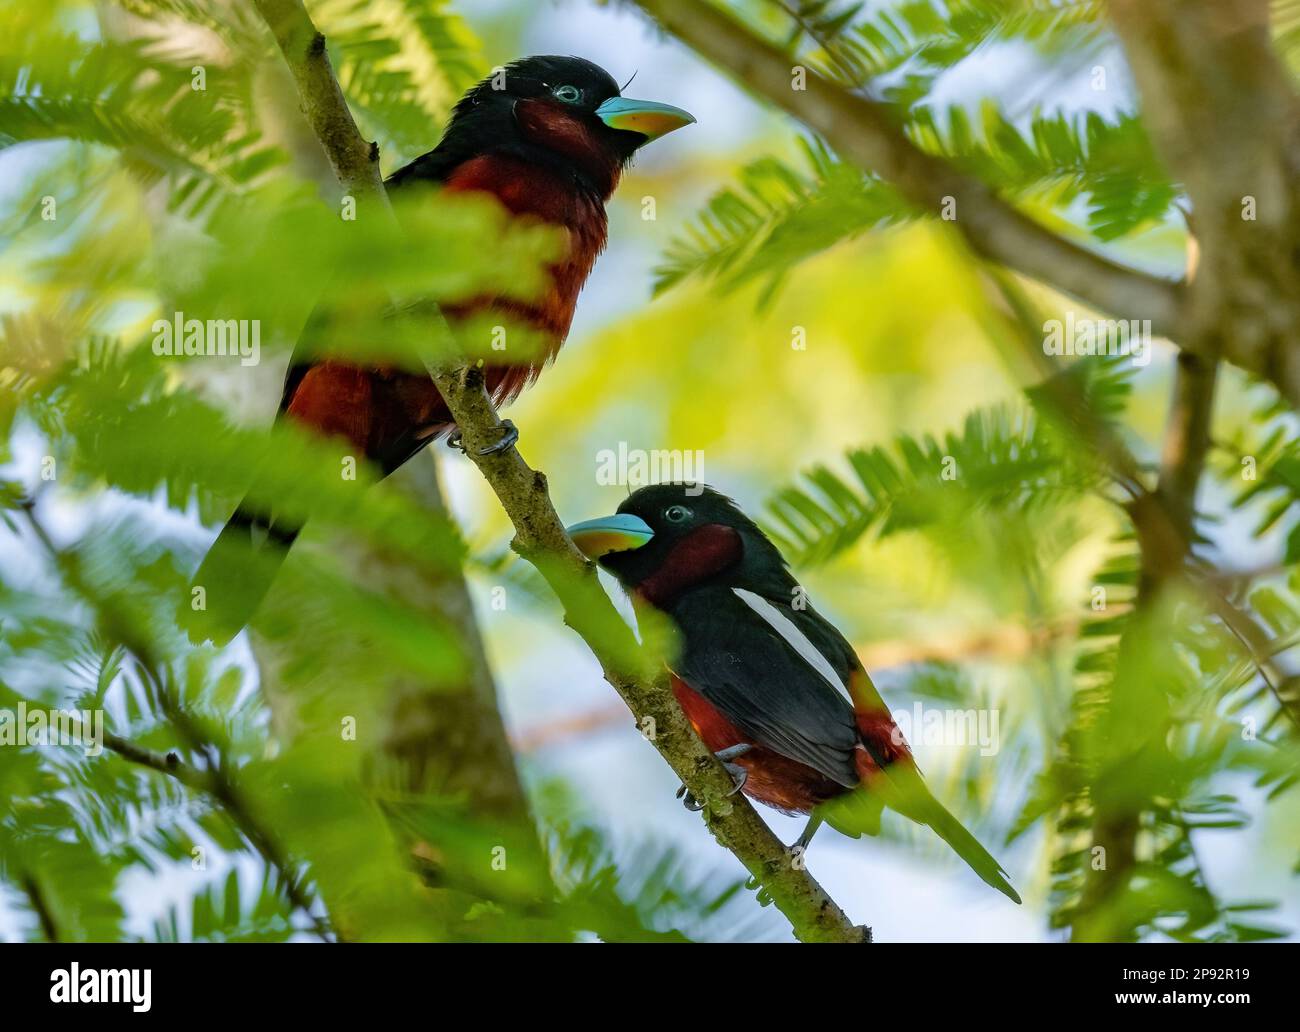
[
  {"x": 800, "y": 845},
  {"x": 509, "y": 437},
  {"x": 738, "y": 774}
]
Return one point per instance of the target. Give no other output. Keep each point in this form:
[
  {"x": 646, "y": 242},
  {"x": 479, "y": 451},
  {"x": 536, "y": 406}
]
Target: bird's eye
[
  {"x": 677, "y": 514},
  {"x": 568, "y": 94}
]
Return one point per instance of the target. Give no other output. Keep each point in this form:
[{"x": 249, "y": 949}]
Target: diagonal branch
[
  {"x": 37, "y": 900},
  {"x": 640, "y": 680},
  {"x": 214, "y": 781},
  {"x": 456, "y": 739},
  {"x": 862, "y": 131},
  {"x": 226, "y": 790},
  {"x": 1228, "y": 121},
  {"x": 355, "y": 162},
  {"x": 635, "y": 673},
  {"x": 168, "y": 763},
  {"x": 1280, "y": 679}
]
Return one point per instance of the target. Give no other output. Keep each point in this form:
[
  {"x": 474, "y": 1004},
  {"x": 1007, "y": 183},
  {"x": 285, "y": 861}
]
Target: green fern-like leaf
[
  {"x": 779, "y": 215},
  {"x": 1002, "y": 457},
  {"x": 402, "y": 64},
  {"x": 1111, "y": 164},
  {"x": 56, "y": 86},
  {"x": 776, "y": 217},
  {"x": 224, "y": 912},
  {"x": 901, "y": 48}
]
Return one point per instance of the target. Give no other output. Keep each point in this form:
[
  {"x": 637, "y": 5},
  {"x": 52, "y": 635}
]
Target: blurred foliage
[
  {"x": 400, "y": 61},
  {"x": 827, "y": 350},
  {"x": 1003, "y": 459},
  {"x": 862, "y": 43}
]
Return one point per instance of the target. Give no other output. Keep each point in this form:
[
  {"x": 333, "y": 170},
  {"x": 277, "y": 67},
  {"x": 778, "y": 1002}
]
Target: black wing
[{"x": 742, "y": 665}]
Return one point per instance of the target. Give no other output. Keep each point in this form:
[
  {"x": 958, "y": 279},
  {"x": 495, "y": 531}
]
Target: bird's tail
[
  {"x": 916, "y": 802},
  {"x": 966, "y": 846},
  {"x": 235, "y": 575},
  {"x": 890, "y": 776},
  {"x": 900, "y": 787}
]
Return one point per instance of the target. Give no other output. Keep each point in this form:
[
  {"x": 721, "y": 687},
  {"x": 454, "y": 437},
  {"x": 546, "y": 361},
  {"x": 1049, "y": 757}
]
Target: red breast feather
[{"x": 387, "y": 413}]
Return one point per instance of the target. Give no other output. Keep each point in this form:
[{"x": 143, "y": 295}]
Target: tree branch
[
  {"x": 1171, "y": 508},
  {"x": 541, "y": 539},
  {"x": 218, "y": 783},
  {"x": 40, "y": 905},
  {"x": 1229, "y": 139},
  {"x": 214, "y": 781},
  {"x": 168, "y": 763},
  {"x": 1282, "y": 683},
  {"x": 635, "y": 673},
  {"x": 1224, "y": 113},
  {"x": 355, "y": 162},
  {"x": 862, "y": 131},
  {"x": 450, "y": 742}
]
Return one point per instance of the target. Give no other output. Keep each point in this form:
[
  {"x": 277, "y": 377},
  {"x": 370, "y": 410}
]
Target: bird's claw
[
  {"x": 509, "y": 437},
  {"x": 739, "y": 775}
]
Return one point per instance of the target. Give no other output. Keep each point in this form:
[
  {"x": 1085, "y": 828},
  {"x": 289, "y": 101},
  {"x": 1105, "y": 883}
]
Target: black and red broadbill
[
  {"x": 767, "y": 682},
  {"x": 549, "y": 138}
]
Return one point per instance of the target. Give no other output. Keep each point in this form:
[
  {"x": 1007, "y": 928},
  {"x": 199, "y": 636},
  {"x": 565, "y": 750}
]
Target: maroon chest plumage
[{"x": 386, "y": 413}]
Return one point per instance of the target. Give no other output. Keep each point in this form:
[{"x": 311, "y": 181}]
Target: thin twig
[
  {"x": 215, "y": 780},
  {"x": 41, "y": 906},
  {"x": 168, "y": 763},
  {"x": 1284, "y": 685}
]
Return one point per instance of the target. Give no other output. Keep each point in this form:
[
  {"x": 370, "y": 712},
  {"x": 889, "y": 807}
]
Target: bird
[
  {"x": 548, "y": 137},
  {"x": 772, "y": 688}
]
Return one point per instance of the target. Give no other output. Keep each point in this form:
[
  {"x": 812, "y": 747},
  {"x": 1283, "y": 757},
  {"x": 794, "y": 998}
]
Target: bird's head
[
  {"x": 568, "y": 109},
  {"x": 668, "y": 538}
]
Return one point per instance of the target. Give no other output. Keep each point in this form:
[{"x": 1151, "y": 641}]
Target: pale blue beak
[
  {"x": 650, "y": 119},
  {"x": 620, "y": 533}
]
